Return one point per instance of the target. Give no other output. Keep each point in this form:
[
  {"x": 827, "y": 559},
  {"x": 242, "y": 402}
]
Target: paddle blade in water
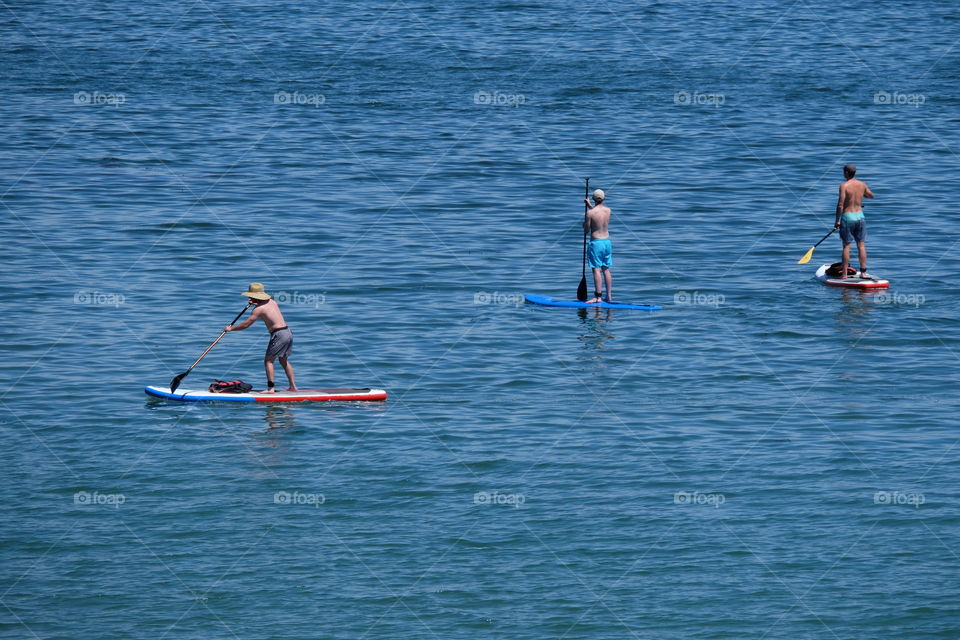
[
  {"x": 582, "y": 289},
  {"x": 806, "y": 258}
]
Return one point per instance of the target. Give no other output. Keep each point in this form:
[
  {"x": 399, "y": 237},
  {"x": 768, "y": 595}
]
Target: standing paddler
[
  {"x": 850, "y": 221},
  {"x": 599, "y": 252},
  {"x": 281, "y": 338}
]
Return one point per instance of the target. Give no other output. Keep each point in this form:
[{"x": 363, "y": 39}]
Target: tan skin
[
  {"x": 597, "y": 223},
  {"x": 852, "y": 193},
  {"x": 269, "y": 312}
]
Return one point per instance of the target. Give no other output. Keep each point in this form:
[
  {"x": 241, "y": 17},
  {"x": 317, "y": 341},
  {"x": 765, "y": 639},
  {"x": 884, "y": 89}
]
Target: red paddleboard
[
  {"x": 303, "y": 395},
  {"x": 853, "y": 282}
]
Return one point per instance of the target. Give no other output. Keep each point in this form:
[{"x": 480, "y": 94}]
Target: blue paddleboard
[{"x": 547, "y": 301}]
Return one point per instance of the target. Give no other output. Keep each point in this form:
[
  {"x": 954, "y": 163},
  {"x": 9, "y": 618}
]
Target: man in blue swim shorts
[
  {"x": 850, "y": 220},
  {"x": 599, "y": 251}
]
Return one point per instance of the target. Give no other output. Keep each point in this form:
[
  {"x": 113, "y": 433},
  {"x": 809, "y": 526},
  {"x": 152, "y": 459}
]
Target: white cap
[{"x": 599, "y": 195}]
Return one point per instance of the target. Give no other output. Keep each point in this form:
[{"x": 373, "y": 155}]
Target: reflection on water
[
  {"x": 595, "y": 322},
  {"x": 853, "y": 320},
  {"x": 271, "y": 444},
  {"x": 279, "y": 418},
  {"x": 855, "y": 308}
]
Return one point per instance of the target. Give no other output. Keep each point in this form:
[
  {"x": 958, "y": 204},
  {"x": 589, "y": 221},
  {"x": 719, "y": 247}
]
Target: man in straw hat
[
  {"x": 599, "y": 251},
  {"x": 281, "y": 339}
]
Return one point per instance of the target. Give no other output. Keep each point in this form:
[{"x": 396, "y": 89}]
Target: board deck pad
[
  {"x": 302, "y": 395},
  {"x": 547, "y": 301},
  {"x": 856, "y": 282}
]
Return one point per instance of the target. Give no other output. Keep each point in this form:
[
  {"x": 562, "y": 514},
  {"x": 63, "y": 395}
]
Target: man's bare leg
[
  {"x": 596, "y": 287},
  {"x": 608, "y": 277},
  {"x": 268, "y": 367},
  {"x": 846, "y": 261},
  {"x": 862, "y": 255},
  {"x": 288, "y": 369}
]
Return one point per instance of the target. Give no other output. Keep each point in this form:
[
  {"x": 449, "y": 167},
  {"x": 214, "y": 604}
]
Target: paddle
[
  {"x": 176, "y": 381},
  {"x": 582, "y": 289},
  {"x": 806, "y": 258}
]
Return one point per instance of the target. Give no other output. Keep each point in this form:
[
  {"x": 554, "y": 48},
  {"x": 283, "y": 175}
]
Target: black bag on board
[{"x": 229, "y": 386}]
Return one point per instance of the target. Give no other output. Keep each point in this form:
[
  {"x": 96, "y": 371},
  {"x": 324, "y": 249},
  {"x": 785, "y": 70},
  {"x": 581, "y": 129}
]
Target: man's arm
[
  {"x": 586, "y": 219},
  {"x": 866, "y": 191},
  {"x": 840, "y": 199},
  {"x": 246, "y": 323}
]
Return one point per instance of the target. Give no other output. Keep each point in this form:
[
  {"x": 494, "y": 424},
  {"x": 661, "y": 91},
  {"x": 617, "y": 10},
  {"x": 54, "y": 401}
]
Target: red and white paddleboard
[
  {"x": 303, "y": 395},
  {"x": 853, "y": 282}
]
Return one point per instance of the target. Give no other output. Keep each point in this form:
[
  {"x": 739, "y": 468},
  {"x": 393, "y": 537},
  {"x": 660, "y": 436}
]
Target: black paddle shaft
[
  {"x": 829, "y": 233},
  {"x": 582, "y": 289},
  {"x": 178, "y": 379}
]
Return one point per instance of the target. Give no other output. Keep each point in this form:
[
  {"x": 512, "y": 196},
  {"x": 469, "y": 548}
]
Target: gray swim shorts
[{"x": 281, "y": 343}]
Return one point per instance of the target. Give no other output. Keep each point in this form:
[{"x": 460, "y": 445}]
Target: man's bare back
[
  {"x": 852, "y": 193},
  {"x": 267, "y": 310},
  {"x": 270, "y": 313},
  {"x": 597, "y": 222}
]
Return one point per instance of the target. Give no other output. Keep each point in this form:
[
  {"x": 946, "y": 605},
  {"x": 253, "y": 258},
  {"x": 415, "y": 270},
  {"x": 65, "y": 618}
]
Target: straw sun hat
[{"x": 256, "y": 292}]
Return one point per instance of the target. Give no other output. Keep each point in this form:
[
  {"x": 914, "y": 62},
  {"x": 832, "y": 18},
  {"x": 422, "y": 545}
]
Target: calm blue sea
[{"x": 764, "y": 458}]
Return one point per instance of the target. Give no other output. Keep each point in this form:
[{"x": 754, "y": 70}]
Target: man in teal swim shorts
[
  {"x": 850, "y": 221},
  {"x": 599, "y": 251}
]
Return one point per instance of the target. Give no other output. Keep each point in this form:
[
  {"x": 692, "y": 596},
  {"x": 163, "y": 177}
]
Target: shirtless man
[
  {"x": 281, "y": 339},
  {"x": 853, "y": 228},
  {"x": 599, "y": 252}
]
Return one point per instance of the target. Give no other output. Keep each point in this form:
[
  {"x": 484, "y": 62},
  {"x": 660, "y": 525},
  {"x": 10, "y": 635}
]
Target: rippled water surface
[{"x": 764, "y": 458}]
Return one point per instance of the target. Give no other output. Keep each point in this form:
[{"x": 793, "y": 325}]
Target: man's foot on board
[
  {"x": 593, "y": 300},
  {"x": 269, "y": 390},
  {"x": 292, "y": 389},
  {"x": 866, "y": 276}
]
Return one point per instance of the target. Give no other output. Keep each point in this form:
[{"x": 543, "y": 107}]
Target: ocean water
[{"x": 764, "y": 458}]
